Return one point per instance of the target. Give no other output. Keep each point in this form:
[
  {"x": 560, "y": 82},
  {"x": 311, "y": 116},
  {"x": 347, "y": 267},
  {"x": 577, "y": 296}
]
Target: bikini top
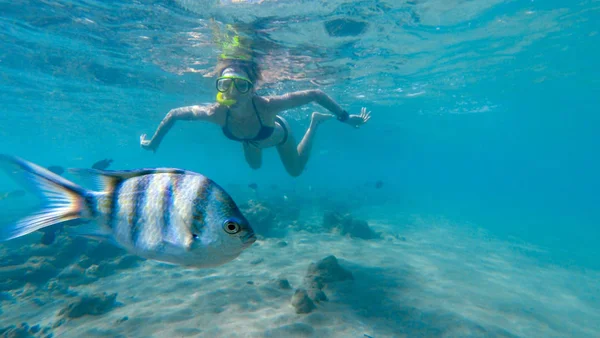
[{"x": 264, "y": 132}]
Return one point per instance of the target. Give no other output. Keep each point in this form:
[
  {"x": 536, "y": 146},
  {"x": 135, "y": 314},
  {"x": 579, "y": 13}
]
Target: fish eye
[{"x": 231, "y": 227}]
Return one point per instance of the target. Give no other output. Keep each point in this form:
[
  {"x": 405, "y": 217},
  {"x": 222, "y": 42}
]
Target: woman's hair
[{"x": 249, "y": 67}]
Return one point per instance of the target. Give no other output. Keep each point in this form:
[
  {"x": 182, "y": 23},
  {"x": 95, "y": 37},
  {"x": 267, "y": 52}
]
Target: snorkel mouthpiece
[{"x": 225, "y": 102}]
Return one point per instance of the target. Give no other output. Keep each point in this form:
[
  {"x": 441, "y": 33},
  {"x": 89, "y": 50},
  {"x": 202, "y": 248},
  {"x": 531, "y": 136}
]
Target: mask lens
[
  {"x": 242, "y": 86},
  {"x": 223, "y": 85}
]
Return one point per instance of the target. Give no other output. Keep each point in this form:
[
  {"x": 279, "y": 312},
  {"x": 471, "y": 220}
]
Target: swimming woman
[{"x": 253, "y": 120}]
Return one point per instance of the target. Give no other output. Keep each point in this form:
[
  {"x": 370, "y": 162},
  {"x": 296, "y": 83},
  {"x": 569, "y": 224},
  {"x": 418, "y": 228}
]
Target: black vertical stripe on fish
[
  {"x": 200, "y": 204},
  {"x": 113, "y": 200},
  {"x": 168, "y": 204},
  {"x": 91, "y": 201},
  {"x": 140, "y": 193},
  {"x": 177, "y": 180}
]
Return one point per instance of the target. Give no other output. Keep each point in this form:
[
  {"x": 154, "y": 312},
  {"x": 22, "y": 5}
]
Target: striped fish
[{"x": 164, "y": 214}]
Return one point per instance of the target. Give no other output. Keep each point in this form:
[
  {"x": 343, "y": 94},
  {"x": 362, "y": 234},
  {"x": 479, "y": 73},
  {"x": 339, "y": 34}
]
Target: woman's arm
[
  {"x": 277, "y": 104},
  {"x": 190, "y": 113}
]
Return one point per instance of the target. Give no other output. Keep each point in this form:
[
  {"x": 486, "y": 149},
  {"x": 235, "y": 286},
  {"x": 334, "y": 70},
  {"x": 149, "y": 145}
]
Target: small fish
[
  {"x": 103, "y": 164},
  {"x": 379, "y": 184},
  {"x": 164, "y": 214},
  {"x": 253, "y": 186},
  {"x": 49, "y": 233},
  {"x": 48, "y": 237},
  {"x": 58, "y": 170}
]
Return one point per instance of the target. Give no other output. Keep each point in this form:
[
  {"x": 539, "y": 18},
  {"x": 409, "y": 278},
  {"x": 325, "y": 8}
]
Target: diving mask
[{"x": 227, "y": 80}]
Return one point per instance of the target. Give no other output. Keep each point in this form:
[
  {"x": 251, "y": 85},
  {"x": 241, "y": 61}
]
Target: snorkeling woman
[{"x": 253, "y": 120}]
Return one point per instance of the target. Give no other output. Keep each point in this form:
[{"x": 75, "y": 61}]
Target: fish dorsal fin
[{"x": 106, "y": 180}]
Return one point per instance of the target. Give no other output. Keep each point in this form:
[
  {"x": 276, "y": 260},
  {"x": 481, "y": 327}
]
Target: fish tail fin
[{"x": 64, "y": 199}]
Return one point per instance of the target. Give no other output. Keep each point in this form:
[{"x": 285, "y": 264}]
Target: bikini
[{"x": 264, "y": 133}]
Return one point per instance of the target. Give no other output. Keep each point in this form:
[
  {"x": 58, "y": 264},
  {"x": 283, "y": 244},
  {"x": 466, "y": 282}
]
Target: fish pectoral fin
[
  {"x": 181, "y": 234},
  {"x": 97, "y": 237},
  {"x": 91, "y": 231},
  {"x": 184, "y": 243},
  {"x": 175, "y": 248}
]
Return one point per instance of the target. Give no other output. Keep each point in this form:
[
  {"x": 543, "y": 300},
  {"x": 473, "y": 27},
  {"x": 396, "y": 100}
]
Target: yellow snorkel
[
  {"x": 234, "y": 47},
  {"x": 224, "y": 101}
]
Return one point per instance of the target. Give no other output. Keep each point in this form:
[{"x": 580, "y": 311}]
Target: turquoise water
[{"x": 483, "y": 112}]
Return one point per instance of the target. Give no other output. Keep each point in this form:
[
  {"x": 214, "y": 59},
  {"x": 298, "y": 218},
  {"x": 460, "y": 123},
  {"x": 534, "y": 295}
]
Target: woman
[{"x": 253, "y": 120}]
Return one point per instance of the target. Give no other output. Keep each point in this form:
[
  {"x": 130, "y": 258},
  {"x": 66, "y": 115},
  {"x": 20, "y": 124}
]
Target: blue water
[{"x": 483, "y": 112}]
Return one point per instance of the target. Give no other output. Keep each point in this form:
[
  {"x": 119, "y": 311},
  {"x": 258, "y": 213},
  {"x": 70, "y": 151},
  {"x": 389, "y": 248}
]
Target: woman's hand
[
  {"x": 146, "y": 144},
  {"x": 358, "y": 120}
]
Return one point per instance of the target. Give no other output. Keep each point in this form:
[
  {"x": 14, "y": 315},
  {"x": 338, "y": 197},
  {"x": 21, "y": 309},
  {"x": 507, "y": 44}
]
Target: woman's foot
[{"x": 318, "y": 118}]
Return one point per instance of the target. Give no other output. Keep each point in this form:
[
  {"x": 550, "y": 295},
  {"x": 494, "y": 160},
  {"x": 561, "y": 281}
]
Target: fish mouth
[{"x": 249, "y": 239}]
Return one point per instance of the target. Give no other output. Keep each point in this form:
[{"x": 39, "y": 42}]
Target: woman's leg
[
  {"x": 253, "y": 155},
  {"x": 294, "y": 157}
]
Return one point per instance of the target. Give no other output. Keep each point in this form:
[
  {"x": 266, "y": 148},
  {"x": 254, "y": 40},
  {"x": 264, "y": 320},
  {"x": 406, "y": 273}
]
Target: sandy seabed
[{"x": 429, "y": 278}]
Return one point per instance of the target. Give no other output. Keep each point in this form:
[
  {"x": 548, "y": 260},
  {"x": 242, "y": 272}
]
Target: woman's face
[{"x": 234, "y": 84}]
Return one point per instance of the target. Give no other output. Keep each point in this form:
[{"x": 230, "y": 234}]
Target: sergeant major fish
[{"x": 164, "y": 214}]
